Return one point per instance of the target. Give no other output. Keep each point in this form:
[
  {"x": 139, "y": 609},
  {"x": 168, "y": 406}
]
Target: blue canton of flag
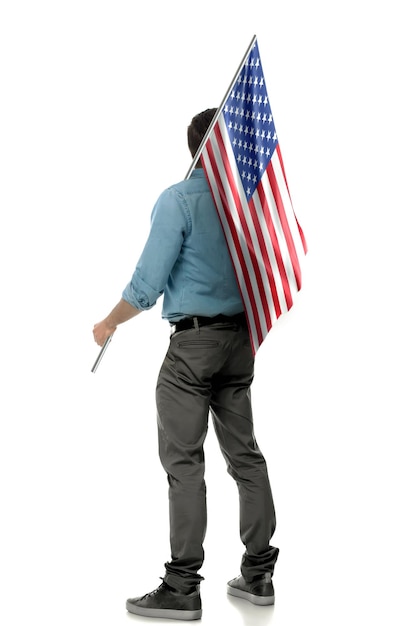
[{"x": 250, "y": 124}]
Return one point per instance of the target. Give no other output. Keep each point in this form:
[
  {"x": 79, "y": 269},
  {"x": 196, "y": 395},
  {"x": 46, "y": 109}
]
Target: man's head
[{"x": 197, "y": 129}]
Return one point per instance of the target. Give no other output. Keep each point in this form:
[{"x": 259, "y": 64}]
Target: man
[{"x": 208, "y": 368}]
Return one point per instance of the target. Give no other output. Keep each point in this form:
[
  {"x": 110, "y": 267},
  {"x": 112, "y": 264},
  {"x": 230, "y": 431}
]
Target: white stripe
[
  {"x": 282, "y": 244},
  {"x": 289, "y": 211},
  {"x": 271, "y": 255}
]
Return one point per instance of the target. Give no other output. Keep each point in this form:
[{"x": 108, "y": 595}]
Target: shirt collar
[{"x": 198, "y": 172}]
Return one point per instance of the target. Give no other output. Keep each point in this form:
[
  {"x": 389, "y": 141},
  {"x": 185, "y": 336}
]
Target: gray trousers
[{"x": 210, "y": 369}]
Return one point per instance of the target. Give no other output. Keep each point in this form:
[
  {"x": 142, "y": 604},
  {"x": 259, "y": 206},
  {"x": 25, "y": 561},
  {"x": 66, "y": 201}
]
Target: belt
[{"x": 197, "y": 321}]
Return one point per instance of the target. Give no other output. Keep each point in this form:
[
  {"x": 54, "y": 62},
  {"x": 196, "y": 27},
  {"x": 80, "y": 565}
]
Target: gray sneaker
[
  {"x": 166, "y": 602},
  {"x": 260, "y": 591}
]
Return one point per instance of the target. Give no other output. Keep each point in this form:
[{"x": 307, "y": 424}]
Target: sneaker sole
[
  {"x": 164, "y": 613},
  {"x": 250, "y": 597}
]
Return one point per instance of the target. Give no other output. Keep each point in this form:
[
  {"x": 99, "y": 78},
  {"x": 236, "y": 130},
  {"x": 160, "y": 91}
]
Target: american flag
[{"x": 243, "y": 164}]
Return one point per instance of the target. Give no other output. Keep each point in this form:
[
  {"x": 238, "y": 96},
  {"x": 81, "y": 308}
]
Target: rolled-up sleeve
[{"x": 170, "y": 222}]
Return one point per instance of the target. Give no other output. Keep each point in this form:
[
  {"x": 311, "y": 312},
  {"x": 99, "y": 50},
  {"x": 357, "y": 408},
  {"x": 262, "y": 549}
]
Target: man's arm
[
  {"x": 169, "y": 224},
  {"x": 122, "y": 312}
]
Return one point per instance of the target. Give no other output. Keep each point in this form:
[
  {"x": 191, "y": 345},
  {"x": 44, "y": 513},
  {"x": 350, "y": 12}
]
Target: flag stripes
[{"x": 243, "y": 164}]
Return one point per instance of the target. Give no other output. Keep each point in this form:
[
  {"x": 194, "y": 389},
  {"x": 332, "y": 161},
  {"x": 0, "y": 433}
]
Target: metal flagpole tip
[{"x": 101, "y": 354}]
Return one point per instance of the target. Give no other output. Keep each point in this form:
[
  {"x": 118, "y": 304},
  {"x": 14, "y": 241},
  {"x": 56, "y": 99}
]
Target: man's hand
[
  {"x": 122, "y": 312},
  {"x": 102, "y": 331}
]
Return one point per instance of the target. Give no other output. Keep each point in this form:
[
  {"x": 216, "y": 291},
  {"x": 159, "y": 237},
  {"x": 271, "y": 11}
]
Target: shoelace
[
  {"x": 163, "y": 585},
  {"x": 155, "y": 591}
]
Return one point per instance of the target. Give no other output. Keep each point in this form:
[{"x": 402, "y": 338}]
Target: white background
[{"x": 95, "y": 100}]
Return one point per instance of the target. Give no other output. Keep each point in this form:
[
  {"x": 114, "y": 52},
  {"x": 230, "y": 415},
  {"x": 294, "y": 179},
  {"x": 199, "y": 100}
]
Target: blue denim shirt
[{"x": 185, "y": 257}]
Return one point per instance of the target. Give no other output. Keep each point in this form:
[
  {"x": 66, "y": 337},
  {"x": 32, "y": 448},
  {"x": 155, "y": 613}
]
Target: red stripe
[
  {"x": 275, "y": 243},
  {"x": 284, "y": 222},
  {"x": 265, "y": 257}
]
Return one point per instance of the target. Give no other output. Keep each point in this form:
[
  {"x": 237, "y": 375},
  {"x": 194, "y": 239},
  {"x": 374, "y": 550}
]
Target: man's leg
[
  {"x": 182, "y": 397},
  {"x": 232, "y": 419}
]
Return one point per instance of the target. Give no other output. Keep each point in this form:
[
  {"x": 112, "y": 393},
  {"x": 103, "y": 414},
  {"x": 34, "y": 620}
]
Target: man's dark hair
[{"x": 198, "y": 128}]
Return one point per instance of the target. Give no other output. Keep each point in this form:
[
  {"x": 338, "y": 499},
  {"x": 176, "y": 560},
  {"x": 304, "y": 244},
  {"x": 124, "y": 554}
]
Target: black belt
[{"x": 197, "y": 321}]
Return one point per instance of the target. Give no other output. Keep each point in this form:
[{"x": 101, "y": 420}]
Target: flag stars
[{"x": 250, "y": 124}]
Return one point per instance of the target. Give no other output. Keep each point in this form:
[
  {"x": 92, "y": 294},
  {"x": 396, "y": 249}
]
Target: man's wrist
[{"x": 110, "y": 323}]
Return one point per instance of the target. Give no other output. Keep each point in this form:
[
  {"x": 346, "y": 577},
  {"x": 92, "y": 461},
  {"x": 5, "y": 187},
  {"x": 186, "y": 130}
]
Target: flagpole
[
  {"x": 101, "y": 354},
  {"x": 219, "y": 110}
]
